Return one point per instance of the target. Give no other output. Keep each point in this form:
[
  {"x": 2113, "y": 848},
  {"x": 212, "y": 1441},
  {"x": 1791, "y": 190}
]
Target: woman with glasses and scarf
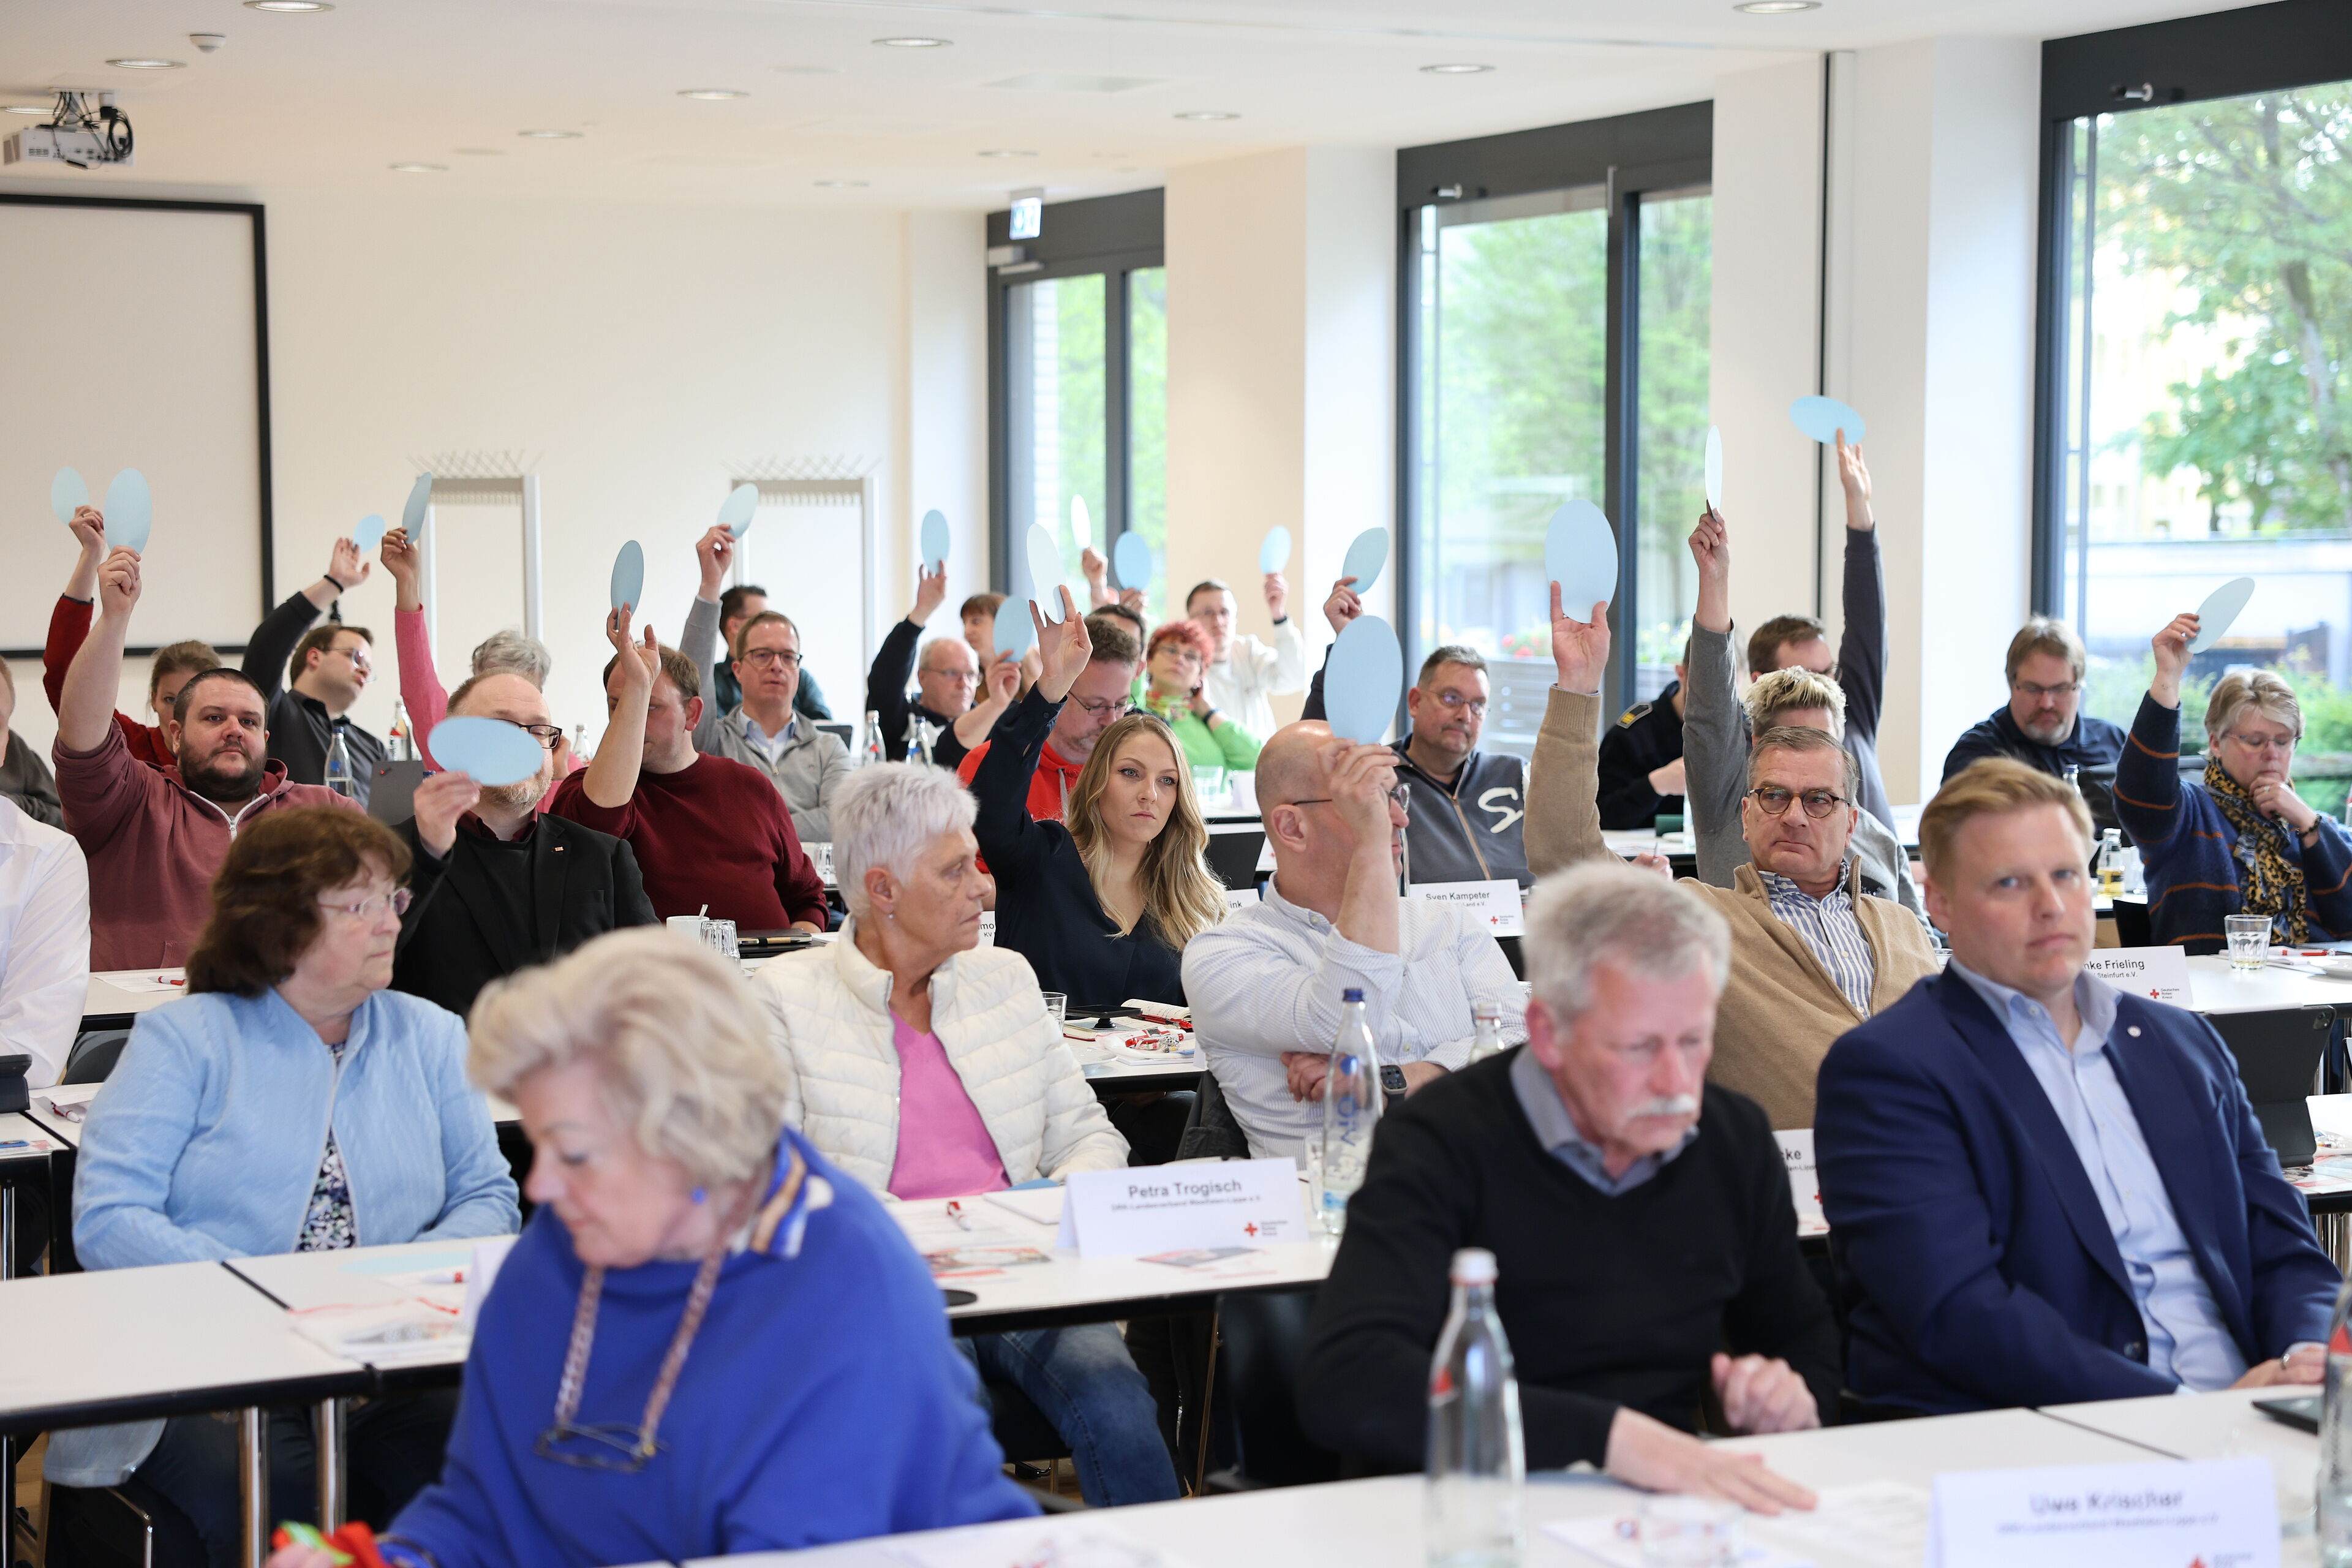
[
  {"x": 707, "y": 1340},
  {"x": 1101, "y": 903},
  {"x": 2240, "y": 840},
  {"x": 289, "y": 1103}
]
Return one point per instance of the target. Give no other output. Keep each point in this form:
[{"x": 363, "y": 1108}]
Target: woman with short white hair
[
  {"x": 2239, "y": 840},
  {"x": 927, "y": 1066},
  {"x": 700, "y": 1300}
]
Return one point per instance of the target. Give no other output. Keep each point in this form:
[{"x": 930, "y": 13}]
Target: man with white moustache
[
  {"x": 496, "y": 886},
  {"x": 1640, "y": 1218}
]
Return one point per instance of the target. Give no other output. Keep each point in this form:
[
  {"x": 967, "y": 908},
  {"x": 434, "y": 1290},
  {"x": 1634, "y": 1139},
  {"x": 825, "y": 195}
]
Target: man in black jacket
[
  {"x": 2042, "y": 724},
  {"x": 947, "y": 679},
  {"x": 1640, "y": 1217},
  {"x": 1642, "y": 760},
  {"x": 310, "y": 676},
  {"x": 495, "y": 886}
]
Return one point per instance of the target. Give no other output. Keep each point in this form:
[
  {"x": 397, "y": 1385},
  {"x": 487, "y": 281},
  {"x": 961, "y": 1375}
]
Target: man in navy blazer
[{"x": 2041, "y": 1190}]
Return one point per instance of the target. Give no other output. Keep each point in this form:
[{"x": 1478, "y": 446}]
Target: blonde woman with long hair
[{"x": 1103, "y": 906}]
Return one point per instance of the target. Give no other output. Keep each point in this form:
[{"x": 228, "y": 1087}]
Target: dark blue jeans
[
  {"x": 1086, "y": 1384},
  {"x": 394, "y": 1447}
]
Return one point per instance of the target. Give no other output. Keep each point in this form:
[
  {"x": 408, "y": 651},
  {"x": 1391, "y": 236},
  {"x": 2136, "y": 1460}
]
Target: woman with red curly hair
[{"x": 1176, "y": 664}]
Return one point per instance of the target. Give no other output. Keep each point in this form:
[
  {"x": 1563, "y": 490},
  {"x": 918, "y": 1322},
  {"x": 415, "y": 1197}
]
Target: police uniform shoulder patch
[{"x": 1633, "y": 715}]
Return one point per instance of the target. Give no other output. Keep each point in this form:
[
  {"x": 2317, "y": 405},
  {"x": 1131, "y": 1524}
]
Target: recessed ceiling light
[
  {"x": 138, "y": 63},
  {"x": 914, "y": 43},
  {"x": 1208, "y": 114},
  {"x": 420, "y": 168},
  {"x": 549, "y": 135},
  {"x": 841, "y": 185},
  {"x": 287, "y": 5},
  {"x": 1459, "y": 67},
  {"x": 712, "y": 93},
  {"x": 1776, "y": 8},
  {"x": 1008, "y": 153},
  {"x": 29, "y": 109}
]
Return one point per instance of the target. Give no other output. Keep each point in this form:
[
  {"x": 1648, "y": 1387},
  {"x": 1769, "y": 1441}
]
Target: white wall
[
  {"x": 1932, "y": 317},
  {"x": 639, "y": 355},
  {"x": 1281, "y": 356}
]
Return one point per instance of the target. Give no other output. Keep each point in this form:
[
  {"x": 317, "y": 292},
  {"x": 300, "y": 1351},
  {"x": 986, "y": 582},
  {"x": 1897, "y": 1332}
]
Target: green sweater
[{"x": 1228, "y": 746}]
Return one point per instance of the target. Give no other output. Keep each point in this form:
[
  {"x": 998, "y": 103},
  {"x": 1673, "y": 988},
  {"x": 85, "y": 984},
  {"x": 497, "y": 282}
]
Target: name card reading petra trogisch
[
  {"x": 1162, "y": 1208},
  {"x": 2219, "y": 1513}
]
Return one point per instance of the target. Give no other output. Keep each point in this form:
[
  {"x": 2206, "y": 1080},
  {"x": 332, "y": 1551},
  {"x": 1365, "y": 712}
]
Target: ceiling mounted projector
[{"x": 84, "y": 131}]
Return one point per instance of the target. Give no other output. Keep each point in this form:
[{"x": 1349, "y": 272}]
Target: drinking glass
[
  {"x": 1057, "y": 1007},
  {"x": 2249, "y": 940},
  {"x": 720, "y": 938},
  {"x": 1679, "y": 1531}
]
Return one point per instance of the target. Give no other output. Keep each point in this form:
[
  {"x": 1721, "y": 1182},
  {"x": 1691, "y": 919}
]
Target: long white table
[
  {"x": 1378, "y": 1523},
  {"x": 2215, "y": 987},
  {"x": 2222, "y": 1425}
]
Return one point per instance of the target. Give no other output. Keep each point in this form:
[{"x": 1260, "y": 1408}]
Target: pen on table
[
  {"x": 955, "y": 1212},
  {"x": 27, "y": 1142}
]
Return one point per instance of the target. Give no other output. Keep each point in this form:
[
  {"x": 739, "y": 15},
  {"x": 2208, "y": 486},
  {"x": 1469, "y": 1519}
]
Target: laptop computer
[
  {"x": 2277, "y": 1053},
  {"x": 1234, "y": 850},
  {"x": 394, "y": 786}
]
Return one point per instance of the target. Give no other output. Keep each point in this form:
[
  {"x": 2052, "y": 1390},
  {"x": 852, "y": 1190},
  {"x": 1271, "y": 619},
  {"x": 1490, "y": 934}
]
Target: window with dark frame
[
  {"x": 1078, "y": 350},
  {"x": 1553, "y": 345},
  {"x": 2195, "y": 356}
]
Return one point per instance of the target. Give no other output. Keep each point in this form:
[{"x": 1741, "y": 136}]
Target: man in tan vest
[{"x": 1811, "y": 954}]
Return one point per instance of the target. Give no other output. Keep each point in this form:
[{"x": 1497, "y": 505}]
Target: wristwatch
[{"x": 1392, "y": 1078}]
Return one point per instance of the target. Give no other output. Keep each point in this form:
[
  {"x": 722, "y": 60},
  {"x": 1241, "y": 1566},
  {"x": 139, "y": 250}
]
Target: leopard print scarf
[{"x": 2269, "y": 881}]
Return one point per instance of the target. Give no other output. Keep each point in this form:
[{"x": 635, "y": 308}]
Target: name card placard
[
  {"x": 1804, "y": 1179},
  {"x": 2159, "y": 974},
  {"x": 2222, "y": 1513},
  {"x": 1164, "y": 1208},
  {"x": 1494, "y": 905},
  {"x": 988, "y": 928}
]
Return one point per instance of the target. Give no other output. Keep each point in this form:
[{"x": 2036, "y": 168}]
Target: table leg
[
  {"x": 7, "y": 1231},
  {"x": 334, "y": 1481},
  {"x": 2336, "y": 1236},
  {"x": 253, "y": 1483}
]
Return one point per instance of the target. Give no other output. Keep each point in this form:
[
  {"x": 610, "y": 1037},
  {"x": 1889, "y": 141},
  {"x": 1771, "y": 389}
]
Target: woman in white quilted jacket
[{"x": 926, "y": 1066}]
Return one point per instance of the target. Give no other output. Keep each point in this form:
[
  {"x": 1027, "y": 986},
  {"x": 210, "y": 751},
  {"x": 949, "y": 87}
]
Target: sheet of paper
[
  {"x": 1040, "y": 1205},
  {"x": 397, "y": 1333},
  {"x": 2159, "y": 974},
  {"x": 1495, "y": 904},
  {"x": 2214, "y": 1511},
  {"x": 1876, "y": 1522},
  {"x": 69, "y": 1093},
  {"x": 1167, "y": 1208},
  {"x": 1069, "y": 1541}
]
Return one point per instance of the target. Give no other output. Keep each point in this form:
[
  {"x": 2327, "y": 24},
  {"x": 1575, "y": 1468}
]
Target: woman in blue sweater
[
  {"x": 2242, "y": 841},
  {"x": 707, "y": 1342},
  {"x": 289, "y": 1103}
]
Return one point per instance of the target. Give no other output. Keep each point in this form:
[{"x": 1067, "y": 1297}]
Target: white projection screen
[{"x": 132, "y": 336}]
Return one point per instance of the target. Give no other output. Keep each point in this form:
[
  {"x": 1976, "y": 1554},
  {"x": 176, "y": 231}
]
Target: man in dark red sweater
[
  {"x": 706, "y": 831},
  {"x": 174, "y": 665}
]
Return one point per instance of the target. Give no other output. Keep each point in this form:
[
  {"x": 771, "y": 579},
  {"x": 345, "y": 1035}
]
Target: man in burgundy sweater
[
  {"x": 705, "y": 830},
  {"x": 154, "y": 837}
]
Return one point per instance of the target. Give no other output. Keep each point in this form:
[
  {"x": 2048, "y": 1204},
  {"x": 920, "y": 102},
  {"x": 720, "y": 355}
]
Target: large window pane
[
  {"x": 2208, "y": 323},
  {"x": 1147, "y": 425},
  {"x": 1510, "y": 412},
  {"x": 1671, "y": 388},
  {"x": 1055, "y": 414}
]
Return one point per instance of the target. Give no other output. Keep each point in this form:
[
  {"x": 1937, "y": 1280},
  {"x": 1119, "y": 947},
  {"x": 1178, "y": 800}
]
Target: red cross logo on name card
[
  {"x": 1250, "y": 1229},
  {"x": 2156, "y": 993}
]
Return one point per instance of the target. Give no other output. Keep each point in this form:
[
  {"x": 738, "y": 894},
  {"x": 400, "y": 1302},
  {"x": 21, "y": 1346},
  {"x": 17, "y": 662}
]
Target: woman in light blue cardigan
[{"x": 289, "y": 1103}]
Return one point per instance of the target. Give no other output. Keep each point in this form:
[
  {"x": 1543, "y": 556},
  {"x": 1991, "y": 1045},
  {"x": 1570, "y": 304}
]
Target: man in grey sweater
[
  {"x": 763, "y": 731},
  {"x": 1718, "y": 729}
]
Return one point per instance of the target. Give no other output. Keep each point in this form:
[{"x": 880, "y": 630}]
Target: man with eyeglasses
[
  {"x": 1098, "y": 696},
  {"x": 2042, "y": 724},
  {"x": 1812, "y": 953},
  {"x": 1266, "y": 985},
  {"x": 1468, "y": 805},
  {"x": 765, "y": 730},
  {"x": 946, "y": 676},
  {"x": 154, "y": 837},
  {"x": 495, "y": 885},
  {"x": 325, "y": 667}
]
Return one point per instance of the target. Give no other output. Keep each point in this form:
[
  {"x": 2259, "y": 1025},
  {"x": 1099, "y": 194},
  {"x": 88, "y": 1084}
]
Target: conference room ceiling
[{"x": 1082, "y": 97}]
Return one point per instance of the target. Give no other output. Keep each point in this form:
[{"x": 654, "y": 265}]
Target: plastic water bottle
[
  {"x": 2111, "y": 862},
  {"x": 1351, "y": 1110},
  {"x": 2334, "y": 1485},
  {"x": 1476, "y": 1466},
  {"x": 874, "y": 753},
  {"x": 341, "y": 776},
  {"x": 1487, "y": 1039},
  {"x": 399, "y": 742}
]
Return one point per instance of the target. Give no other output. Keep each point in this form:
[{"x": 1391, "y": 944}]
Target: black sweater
[
  {"x": 886, "y": 699},
  {"x": 302, "y": 730},
  {"x": 1607, "y": 1301},
  {"x": 1046, "y": 905}
]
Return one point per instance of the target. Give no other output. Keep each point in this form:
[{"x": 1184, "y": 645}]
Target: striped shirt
[{"x": 1828, "y": 928}]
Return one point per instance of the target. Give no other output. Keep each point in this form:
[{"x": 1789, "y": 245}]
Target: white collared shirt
[
  {"x": 44, "y": 942},
  {"x": 1268, "y": 979},
  {"x": 1240, "y": 684}
]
